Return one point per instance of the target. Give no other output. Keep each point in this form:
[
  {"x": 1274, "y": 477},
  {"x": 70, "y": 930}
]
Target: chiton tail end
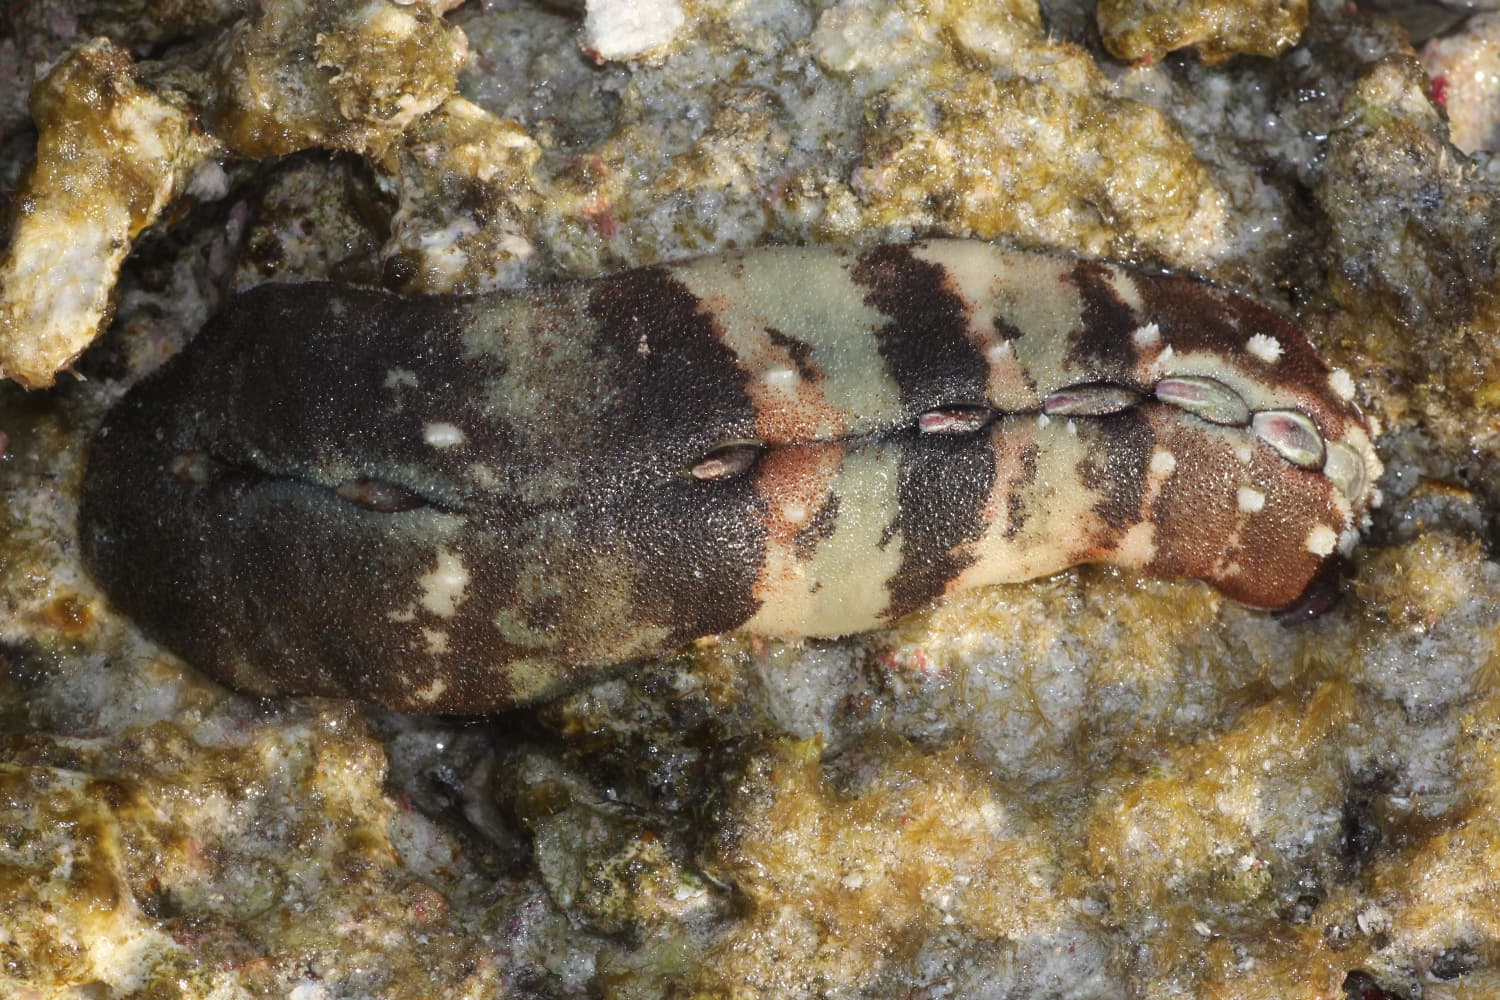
[{"x": 223, "y": 510}]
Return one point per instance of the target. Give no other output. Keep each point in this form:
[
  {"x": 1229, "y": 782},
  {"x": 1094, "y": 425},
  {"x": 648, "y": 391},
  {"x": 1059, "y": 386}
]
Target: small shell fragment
[
  {"x": 1346, "y": 468},
  {"x": 1090, "y": 400},
  {"x": 954, "y": 420},
  {"x": 379, "y": 495},
  {"x": 1294, "y": 436},
  {"x": 728, "y": 458},
  {"x": 1205, "y": 398}
]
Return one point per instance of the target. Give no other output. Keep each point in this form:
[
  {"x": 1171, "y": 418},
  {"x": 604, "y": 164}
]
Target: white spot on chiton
[
  {"x": 1322, "y": 540},
  {"x": 1042, "y": 420},
  {"x": 782, "y": 379},
  {"x": 795, "y": 513},
  {"x": 442, "y": 435},
  {"x": 1249, "y": 500},
  {"x": 433, "y": 691},
  {"x": 443, "y": 588},
  {"x": 1072, "y": 428},
  {"x": 436, "y": 640},
  {"x": 1265, "y": 347},
  {"x": 1243, "y": 453},
  {"x": 400, "y": 378},
  {"x": 1146, "y": 336},
  {"x": 1000, "y": 352},
  {"x": 1123, "y": 284},
  {"x": 1137, "y": 547},
  {"x": 1341, "y": 384},
  {"x": 1163, "y": 463},
  {"x": 643, "y": 347}
]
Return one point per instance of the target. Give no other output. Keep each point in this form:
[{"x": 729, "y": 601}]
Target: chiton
[{"x": 459, "y": 504}]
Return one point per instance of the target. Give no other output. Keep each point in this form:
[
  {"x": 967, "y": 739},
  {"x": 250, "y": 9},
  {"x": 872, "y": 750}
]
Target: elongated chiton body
[{"x": 463, "y": 503}]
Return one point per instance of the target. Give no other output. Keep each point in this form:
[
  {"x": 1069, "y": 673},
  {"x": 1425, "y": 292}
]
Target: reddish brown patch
[
  {"x": 68, "y": 615},
  {"x": 1275, "y": 563},
  {"x": 799, "y": 477},
  {"x": 803, "y": 414},
  {"x": 1259, "y": 559},
  {"x": 600, "y": 215},
  {"x": 1194, "y": 316},
  {"x": 1197, "y": 510}
]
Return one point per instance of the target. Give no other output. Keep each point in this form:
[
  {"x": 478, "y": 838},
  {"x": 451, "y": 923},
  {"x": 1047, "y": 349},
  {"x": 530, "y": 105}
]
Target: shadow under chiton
[{"x": 463, "y": 503}]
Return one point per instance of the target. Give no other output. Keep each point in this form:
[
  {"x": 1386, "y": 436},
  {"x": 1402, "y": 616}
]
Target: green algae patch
[{"x": 1217, "y": 29}]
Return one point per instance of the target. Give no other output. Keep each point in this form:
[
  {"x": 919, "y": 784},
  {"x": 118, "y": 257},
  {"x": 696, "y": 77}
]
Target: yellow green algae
[{"x": 1215, "y": 29}]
